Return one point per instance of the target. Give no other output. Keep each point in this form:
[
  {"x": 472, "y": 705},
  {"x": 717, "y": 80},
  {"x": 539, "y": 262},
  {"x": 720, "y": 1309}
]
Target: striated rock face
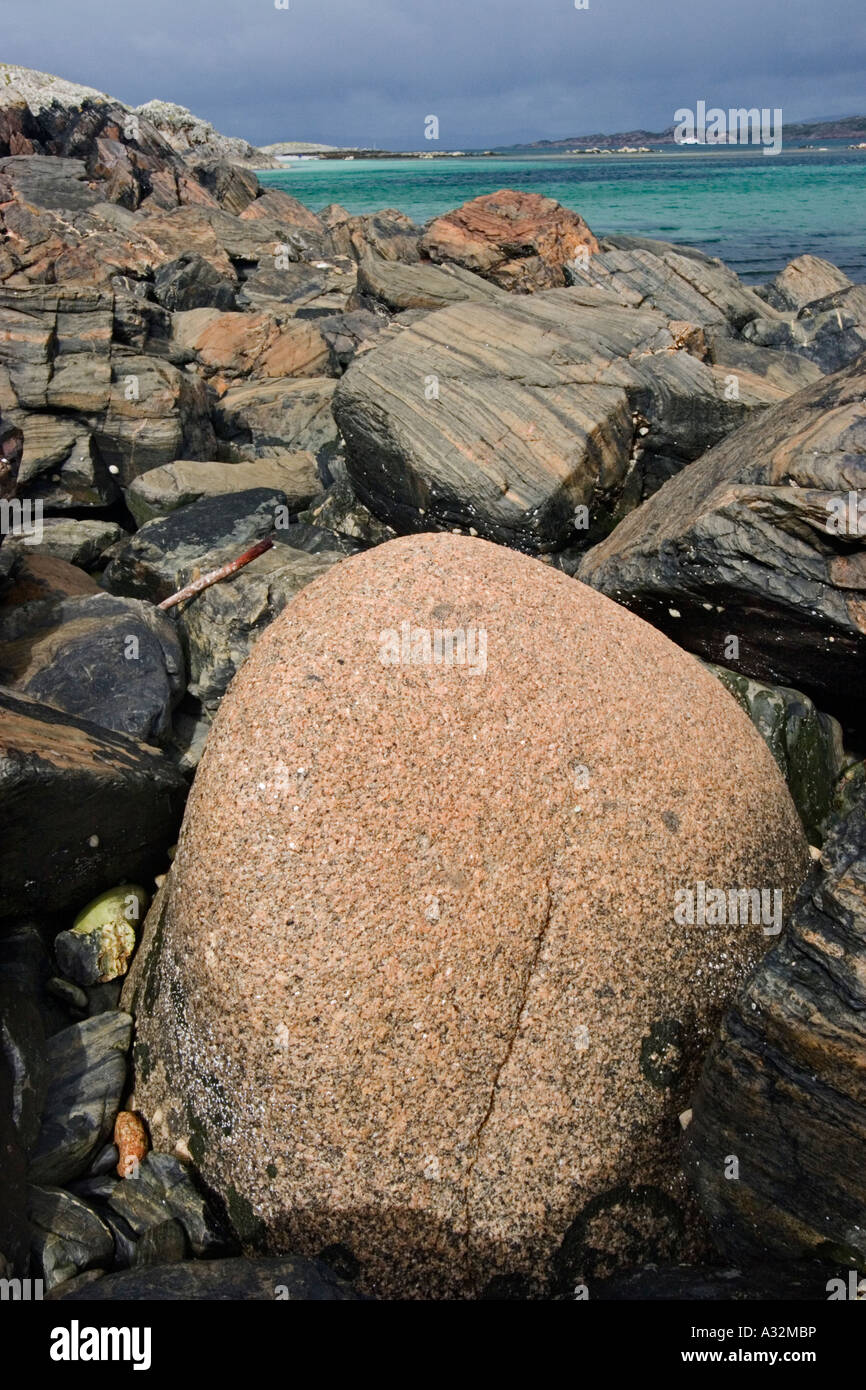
[
  {"x": 783, "y": 1090},
  {"x": 414, "y": 985},
  {"x": 260, "y": 344},
  {"x": 505, "y": 417},
  {"x": 114, "y": 413},
  {"x": 82, "y": 543},
  {"x": 522, "y": 241},
  {"x": 804, "y": 280},
  {"x": 86, "y": 1065},
  {"x": 398, "y": 286},
  {"x": 190, "y": 282},
  {"x": 756, "y": 540},
  {"x": 266, "y": 419},
  {"x": 388, "y": 235},
  {"x": 831, "y": 332},
  {"x": 68, "y": 1236},
  {"x": 280, "y": 206},
  {"x": 125, "y": 155},
  {"x": 677, "y": 280}
]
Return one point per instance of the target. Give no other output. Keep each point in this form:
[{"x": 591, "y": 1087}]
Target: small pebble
[{"x": 132, "y": 1142}]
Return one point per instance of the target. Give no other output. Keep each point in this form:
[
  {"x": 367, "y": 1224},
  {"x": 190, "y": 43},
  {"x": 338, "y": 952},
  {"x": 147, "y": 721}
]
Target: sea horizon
[{"x": 752, "y": 211}]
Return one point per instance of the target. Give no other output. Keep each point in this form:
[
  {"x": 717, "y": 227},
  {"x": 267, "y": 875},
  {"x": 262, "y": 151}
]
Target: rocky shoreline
[{"x": 498, "y": 422}]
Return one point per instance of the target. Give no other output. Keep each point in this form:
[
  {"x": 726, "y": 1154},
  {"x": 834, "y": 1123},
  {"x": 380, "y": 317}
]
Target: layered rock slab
[
  {"x": 414, "y": 984},
  {"x": 783, "y": 1090},
  {"x": 760, "y": 539},
  {"x": 679, "y": 281},
  {"x": 505, "y": 417}
]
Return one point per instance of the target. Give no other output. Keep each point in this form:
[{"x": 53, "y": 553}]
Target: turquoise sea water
[{"x": 753, "y": 211}]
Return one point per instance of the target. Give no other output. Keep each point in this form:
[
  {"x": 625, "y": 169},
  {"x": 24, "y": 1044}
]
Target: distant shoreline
[{"x": 679, "y": 151}]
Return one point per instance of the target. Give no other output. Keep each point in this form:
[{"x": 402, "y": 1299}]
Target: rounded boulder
[{"x": 421, "y": 987}]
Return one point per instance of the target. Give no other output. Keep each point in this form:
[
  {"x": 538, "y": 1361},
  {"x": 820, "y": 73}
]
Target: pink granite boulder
[{"x": 421, "y": 983}]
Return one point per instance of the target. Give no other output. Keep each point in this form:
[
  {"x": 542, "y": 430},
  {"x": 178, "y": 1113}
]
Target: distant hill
[{"x": 851, "y": 128}]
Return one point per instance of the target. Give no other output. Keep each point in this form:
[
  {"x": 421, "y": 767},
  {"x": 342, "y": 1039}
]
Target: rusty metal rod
[{"x": 214, "y": 577}]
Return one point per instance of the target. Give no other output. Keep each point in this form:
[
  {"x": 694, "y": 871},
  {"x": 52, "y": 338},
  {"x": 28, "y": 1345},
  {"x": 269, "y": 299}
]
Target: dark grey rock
[
  {"x": 262, "y": 418},
  {"x": 139, "y": 322},
  {"x": 26, "y": 965},
  {"x": 849, "y": 789},
  {"x": 14, "y": 1226},
  {"x": 161, "y": 557},
  {"x": 69, "y": 993},
  {"x": 233, "y": 187},
  {"x": 296, "y": 284},
  {"x": 78, "y": 542},
  {"x": 23, "y": 1082},
  {"x": 789, "y": 1283},
  {"x": 51, "y": 183},
  {"x": 125, "y": 1242},
  {"x": 286, "y": 1277},
  {"x": 775, "y": 1146},
  {"x": 221, "y": 624},
  {"x": 189, "y": 735},
  {"x": 344, "y": 334},
  {"x": 69, "y": 1287},
  {"x": 113, "y": 660},
  {"x": 317, "y": 540},
  {"x": 26, "y": 1060},
  {"x": 8, "y": 561},
  {"x": 806, "y": 744},
  {"x": 80, "y": 806},
  {"x": 162, "y": 1188},
  {"x": 87, "y": 1065},
  {"x": 745, "y": 542},
  {"x": 831, "y": 332},
  {"x": 97, "y": 1187},
  {"x": 103, "y": 997},
  {"x": 342, "y": 512},
  {"x": 62, "y": 469},
  {"x": 190, "y": 282},
  {"x": 787, "y": 372},
  {"x": 164, "y": 1244},
  {"x": 68, "y": 1236},
  {"x": 78, "y": 954},
  {"x": 105, "y": 1161}
]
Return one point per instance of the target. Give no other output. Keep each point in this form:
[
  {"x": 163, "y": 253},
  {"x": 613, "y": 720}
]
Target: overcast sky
[{"x": 368, "y": 72}]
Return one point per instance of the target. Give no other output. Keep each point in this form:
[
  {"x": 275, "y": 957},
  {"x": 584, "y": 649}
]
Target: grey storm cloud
[{"x": 362, "y": 72}]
